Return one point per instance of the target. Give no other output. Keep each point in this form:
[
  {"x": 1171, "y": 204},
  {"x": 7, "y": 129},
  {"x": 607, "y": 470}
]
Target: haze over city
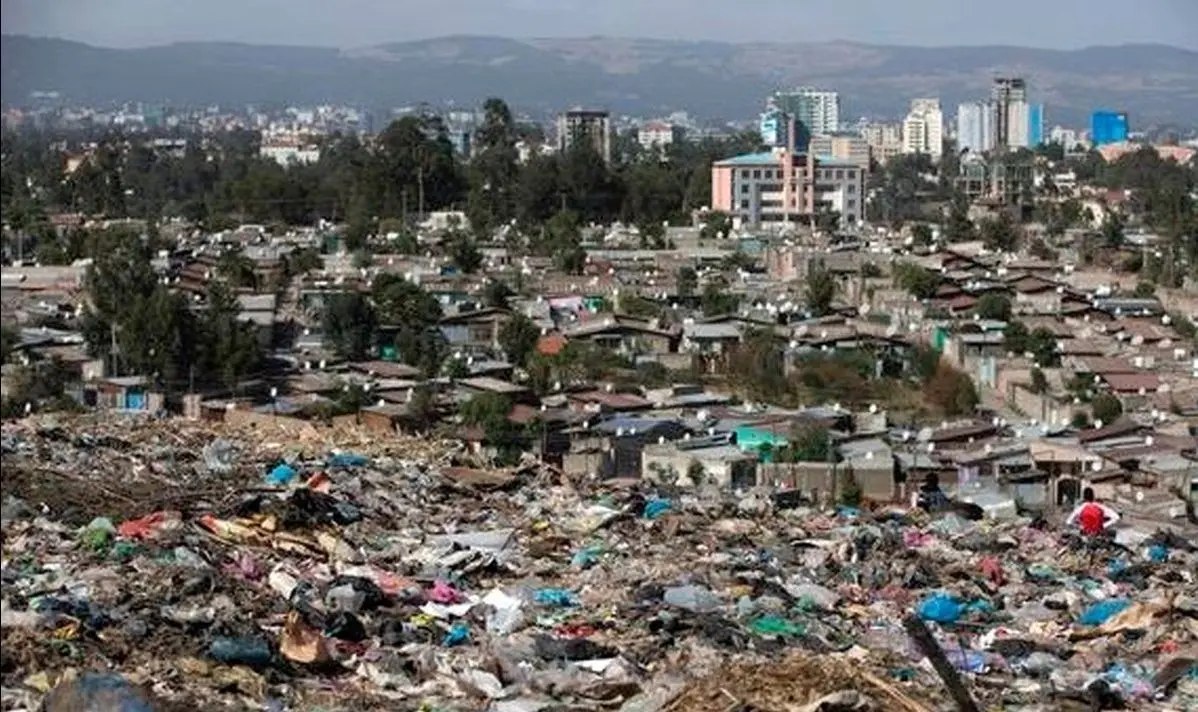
[{"x": 1060, "y": 24}]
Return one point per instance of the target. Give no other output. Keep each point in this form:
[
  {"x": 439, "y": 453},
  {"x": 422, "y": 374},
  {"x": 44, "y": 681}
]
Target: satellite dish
[{"x": 1096, "y": 465}]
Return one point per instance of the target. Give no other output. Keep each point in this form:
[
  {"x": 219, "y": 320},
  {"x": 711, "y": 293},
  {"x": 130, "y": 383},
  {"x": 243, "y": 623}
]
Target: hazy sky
[{"x": 347, "y": 23}]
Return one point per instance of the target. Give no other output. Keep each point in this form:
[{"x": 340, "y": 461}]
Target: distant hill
[{"x": 1156, "y": 84}]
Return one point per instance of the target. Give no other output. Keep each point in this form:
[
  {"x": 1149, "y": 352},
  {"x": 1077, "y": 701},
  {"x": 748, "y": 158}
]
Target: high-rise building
[
  {"x": 923, "y": 129},
  {"x": 1108, "y": 127},
  {"x": 773, "y": 128},
  {"x": 1035, "y": 125},
  {"x": 975, "y": 127},
  {"x": 885, "y": 140},
  {"x": 841, "y": 146},
  {"x": 815, "y": 112},
  {"x": 1009, "y": 98},
  {"x": 593, "y": 127}
]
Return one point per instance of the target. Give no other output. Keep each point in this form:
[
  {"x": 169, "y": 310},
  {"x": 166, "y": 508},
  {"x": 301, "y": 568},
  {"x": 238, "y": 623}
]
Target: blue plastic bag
[
  {"x": 587, "y": 556},
  {"x": 655, "y": 508},
  {"x": 941, "y": 608},
  {"x": 1158, "y": 553},
  {"x": 281, "y": 474},
  {"x": 347, "y": 460},
  {"x": 554, "y": 597},
  {"x": 1101, "y": 612},
  {"x": 457, "y": 635}
]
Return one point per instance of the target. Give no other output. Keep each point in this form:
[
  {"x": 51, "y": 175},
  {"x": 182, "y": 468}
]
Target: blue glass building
[
  {"x": 1035, "y": 125},
  {"x": 1108, "y": 127}
]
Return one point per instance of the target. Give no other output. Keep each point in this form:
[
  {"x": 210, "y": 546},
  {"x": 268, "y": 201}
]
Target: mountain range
[{"x": 1156, "y": 84}]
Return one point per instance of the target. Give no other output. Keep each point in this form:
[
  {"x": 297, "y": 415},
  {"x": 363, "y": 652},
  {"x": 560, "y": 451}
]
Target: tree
[
  {"x": 958, "y": 227},
  {"x": 921, "y": 234},
  {"x": 350, "y": 322},
  {"x": 810, "y": 443},
  {"x": 497, "y": 293},
  {"x": 717, "y": 300},
  {"x": 1042, "y": 344},
  {"x": 401, "y": 302},
  {"x": 1112, "y": 229},
  {"x": 920, "y": 282},
  {"x": 464, "y": 254},
  {"x": 494, "y": 169},
  {"x": 519, "y": 337},
  {"x": 1106, "y": 408},
  {"x": 715, "y": 225},
  {"x": 952, "y": 391},
  {"x": 1039, "y": 381},
  {"x": 152, "y": 329},
  {"x": 229, "y": 349},
  {"x": 1015, "y": 337},
  {"x": 1000, "y": 233},
  {"x": 687, "y": 281},
  {"x": 993, "y": 305},
  {"x": 820, "y": 291}
]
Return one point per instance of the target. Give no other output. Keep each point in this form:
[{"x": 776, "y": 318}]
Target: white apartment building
[
  {"x": 885, "y": 140},
  {"x": 289, "y": 150},
  {"x": 923, "y": 129},
  {"x": 1018, "y": 124},
  {"x": 818, "y": 111},
  {"x": 593, "y": 127},
  {"x": 658, "y": 134},
  {"x": 975, "y": 127}
]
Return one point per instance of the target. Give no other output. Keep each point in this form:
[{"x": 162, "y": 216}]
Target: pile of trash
[{"x": 171, "y": 564}]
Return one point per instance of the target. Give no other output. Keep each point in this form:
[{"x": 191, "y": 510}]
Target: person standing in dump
[
  {"x": 1091, "y": 517},
  {"x": 929, "y": 497}
]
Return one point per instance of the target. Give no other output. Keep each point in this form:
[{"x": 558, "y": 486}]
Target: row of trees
[
  {"x": 138, "y": 325},
  {"x": 409, "y": 167}
]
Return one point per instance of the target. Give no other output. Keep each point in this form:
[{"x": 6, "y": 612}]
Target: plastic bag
[
  {"x": 655, "y": 508},
  {"x": 554, "y": 597},
  {"x": 241, "y": 651},
  {"x": 692, "y": 598},
  {"x": 941, "y": 608},
  {"x": 281, "y": 475},
  {"x": 775, "y": 627},
  {"x": 1101, "y": 612},
  {"x": 457, "y": 635},
  {"x": 347, "y": 460},
  {"x": 97, "y": 692}
]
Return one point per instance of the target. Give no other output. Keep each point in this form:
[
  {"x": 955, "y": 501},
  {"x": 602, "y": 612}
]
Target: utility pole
[
  {"x": 420, "y": 182},
  {"x": 116, "y": 368}
]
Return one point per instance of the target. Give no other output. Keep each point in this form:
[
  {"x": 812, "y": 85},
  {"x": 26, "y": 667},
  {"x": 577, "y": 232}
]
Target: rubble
[{"x": 164, "y": 563}]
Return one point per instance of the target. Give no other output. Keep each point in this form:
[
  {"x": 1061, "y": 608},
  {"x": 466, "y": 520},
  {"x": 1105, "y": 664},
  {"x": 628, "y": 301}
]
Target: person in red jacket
[{"x": 1091, "y": 517}]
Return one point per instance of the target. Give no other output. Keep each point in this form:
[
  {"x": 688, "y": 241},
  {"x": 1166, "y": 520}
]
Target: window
[
  {"x": 839, "y": 175},
  {"x": 851, "y": 174},
  {"x": 851, "y": 204},
  {"x": 744, "y": 173},
  {"x": 851, "y": 188},
  {"x": 757, "y": 174},
  {"x": 744, "y": 205},
  {"x": 744, "y": 188}
]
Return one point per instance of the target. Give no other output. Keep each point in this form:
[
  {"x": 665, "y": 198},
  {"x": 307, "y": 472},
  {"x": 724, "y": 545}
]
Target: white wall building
[
  {"x": 288, "y": 151},
  {"x": 923, "y": 129},
  {"x": 658, "y": 134},
  {"x": 975, "y": 127},
  {"x": 1018, "y": 124}
]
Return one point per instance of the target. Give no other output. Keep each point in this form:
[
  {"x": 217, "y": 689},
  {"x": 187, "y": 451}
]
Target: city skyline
[{"x": 1065, "y": 24}]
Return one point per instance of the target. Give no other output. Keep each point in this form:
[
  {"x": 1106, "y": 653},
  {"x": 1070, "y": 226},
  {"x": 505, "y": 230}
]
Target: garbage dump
[{"x": 165, "y": 565}]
